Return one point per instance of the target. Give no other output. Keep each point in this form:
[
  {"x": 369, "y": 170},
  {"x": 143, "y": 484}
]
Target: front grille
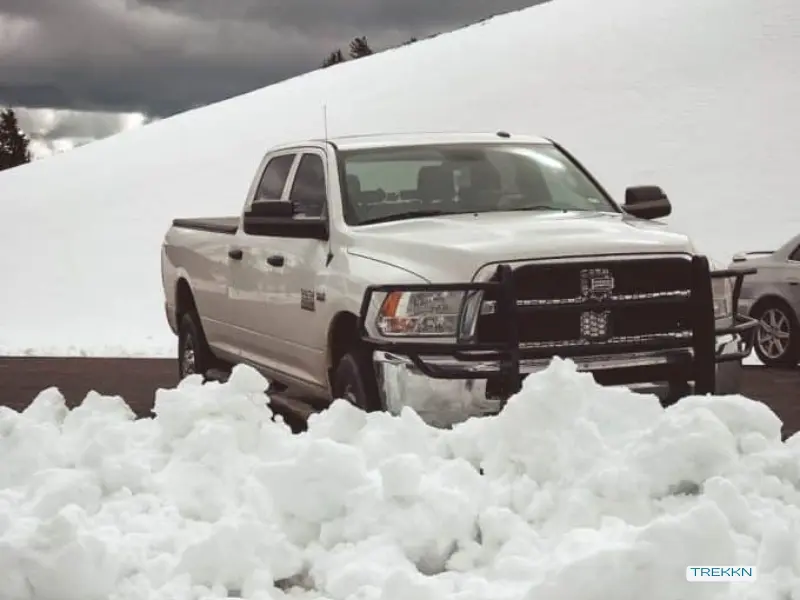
[
  {"x": 631, "y": 277},
  {"x": 652, "y": 306}
]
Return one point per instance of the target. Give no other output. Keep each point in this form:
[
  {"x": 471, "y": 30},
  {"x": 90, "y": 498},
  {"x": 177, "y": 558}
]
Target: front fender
[
  {"x": 350, "y": 276},
  {"x": 438, "y": 267}
]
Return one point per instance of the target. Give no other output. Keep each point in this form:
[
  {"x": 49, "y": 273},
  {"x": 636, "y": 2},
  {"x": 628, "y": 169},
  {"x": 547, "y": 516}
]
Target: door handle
[
  {"x": 235, "y": 253},
  {"x": 276, "y": 260},
  {"x": 794, "y": 282}
]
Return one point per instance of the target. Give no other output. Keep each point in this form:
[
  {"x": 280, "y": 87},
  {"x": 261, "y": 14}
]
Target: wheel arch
[
  {"x": 342, "y": 336},
  {"x": 184, "y": 299},
  {"x": 772, "y": 298}
]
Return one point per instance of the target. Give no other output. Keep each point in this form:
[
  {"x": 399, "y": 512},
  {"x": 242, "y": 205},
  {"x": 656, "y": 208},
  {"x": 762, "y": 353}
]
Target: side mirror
[
  {"x": 277, "y": 219},
  {"x": 271, "y": 208},
  {"x": 647, "y": 202}
]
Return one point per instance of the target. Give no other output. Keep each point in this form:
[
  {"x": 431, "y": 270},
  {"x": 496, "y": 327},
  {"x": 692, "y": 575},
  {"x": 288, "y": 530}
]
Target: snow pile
[
  {"x": 585, "y": 493},
  {"x": 699, "y": 97}
]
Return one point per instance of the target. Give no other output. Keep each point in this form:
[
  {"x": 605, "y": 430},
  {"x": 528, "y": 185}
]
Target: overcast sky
[{"x": 78, "y": 70}]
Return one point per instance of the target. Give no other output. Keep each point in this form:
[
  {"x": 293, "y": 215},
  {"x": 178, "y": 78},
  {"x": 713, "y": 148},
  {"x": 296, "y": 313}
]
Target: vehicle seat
[
  {"x": 435, "y": 183},
  {"x": 485, "y": 187},
  {"x": 372, "y": 197},
  {"x": 532, "y": 186},
  {"x": 353, "y": 184}
]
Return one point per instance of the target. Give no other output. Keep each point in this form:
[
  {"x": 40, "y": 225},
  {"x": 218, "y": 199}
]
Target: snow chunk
[{"x": 572, "y": 491}]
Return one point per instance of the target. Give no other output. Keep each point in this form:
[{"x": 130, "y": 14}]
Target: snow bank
[
  {"x": 700, "y": 97},
  {"x": 585, "y": 493}
]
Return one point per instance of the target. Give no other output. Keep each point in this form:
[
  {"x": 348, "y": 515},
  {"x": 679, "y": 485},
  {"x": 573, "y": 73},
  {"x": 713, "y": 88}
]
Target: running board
[
  {"x": 217, "y": 375},
  {"x": 294, "y": 410}
]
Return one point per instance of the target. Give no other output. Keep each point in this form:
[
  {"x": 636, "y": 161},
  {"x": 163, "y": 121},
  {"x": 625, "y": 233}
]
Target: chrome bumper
[{"x": 445, "y": 402}]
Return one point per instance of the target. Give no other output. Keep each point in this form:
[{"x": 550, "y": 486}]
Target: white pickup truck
[{"x": 437, "y": 270}]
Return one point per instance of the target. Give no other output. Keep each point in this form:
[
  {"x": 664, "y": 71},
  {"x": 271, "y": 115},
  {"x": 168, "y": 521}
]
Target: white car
[
  {"x": 436, "y": 270},
  {"x": 772, "y": 297}
]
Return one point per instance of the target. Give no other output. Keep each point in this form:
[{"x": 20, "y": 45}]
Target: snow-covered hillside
[
  {"x": 699, "y": 97},
  {"x": 587, "y": 493}
]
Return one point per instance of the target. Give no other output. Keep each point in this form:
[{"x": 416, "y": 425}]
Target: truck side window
[
  {"x": 308, "y": 193},
  {"x": 274, "y": 178}
]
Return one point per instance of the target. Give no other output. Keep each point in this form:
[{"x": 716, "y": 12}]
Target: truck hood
[{"x": 454, "y": 247}]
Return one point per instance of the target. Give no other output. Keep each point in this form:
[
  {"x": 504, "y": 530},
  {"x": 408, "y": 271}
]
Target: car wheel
[
  {"x": 354, "y": 381},
  {"x": 777, "y": 341},
  {"x": 194, "y": 355}
]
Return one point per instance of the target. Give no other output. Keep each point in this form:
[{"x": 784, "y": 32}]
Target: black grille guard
[{"x": 509, "y": 352}]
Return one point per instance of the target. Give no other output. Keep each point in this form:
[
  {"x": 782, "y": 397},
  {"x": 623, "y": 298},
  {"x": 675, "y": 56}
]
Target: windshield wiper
[
  {"x": 411, "y": 214},
  {"x": 417, "y": 214},
  {"x": 544, "y": 207},
  {"x": 534, "y": 207}
]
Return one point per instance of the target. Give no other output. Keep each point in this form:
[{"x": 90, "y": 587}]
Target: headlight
[
  {"x": 722, "y": 291},
  {"x": 428, "y": 314}
]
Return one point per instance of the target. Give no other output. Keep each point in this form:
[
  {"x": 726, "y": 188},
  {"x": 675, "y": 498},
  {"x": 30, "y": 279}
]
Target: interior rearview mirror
[{"x": 647, "y": 202}]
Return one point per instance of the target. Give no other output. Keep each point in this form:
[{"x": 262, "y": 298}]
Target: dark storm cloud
[
  {"x": 163, "y": 56},
  {"x": 370, "y": 16}
]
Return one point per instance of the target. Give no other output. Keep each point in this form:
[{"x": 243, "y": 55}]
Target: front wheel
[
  {"x": 354, "y": 381},
  {"x": 777, "y": 342}
]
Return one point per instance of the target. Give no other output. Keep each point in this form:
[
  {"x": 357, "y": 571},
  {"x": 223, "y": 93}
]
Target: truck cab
[{"x": 435, "y": 271}]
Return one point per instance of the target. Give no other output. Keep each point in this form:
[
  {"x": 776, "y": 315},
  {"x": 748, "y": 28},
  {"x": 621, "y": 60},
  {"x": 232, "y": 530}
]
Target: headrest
[
  {"x": 435, "y": 183},
  {"x": 353, "y": 184},
  {"x": 484, "y": 176},
  {"x": 531, "y": 183}
]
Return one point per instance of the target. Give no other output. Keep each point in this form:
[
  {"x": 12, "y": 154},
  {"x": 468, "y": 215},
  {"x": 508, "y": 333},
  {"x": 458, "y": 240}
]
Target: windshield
[{"x": 395, "y": 183}]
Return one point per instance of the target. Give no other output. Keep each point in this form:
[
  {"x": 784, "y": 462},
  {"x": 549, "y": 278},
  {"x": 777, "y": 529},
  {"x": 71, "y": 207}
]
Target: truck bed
[{"x": 227, "y": 225}]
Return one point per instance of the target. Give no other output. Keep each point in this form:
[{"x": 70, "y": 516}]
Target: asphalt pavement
[{"x": 137, "y": 379}]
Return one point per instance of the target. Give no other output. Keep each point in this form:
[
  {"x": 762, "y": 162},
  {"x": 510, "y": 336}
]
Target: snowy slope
[
  {"x": 700, "y": 97},
  {"x": 587, "y": 493}
]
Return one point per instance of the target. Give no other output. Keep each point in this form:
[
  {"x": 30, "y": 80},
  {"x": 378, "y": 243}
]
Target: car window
[
  {"x": 795, "y": 256},
  {"x": 388, "y": 179},
  {"x": 308, "y": 193},
  {"x": 382, "y": 182},
  {"x": 274, "y": 178}
]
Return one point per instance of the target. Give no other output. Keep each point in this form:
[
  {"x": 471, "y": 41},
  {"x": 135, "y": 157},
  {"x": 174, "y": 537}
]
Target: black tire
[
  {"x": 194, "y": 354},
  {"x": 676, "y": 391},
  {"x": 777, "y": 337},
  {"x": 354, "y": 381}
]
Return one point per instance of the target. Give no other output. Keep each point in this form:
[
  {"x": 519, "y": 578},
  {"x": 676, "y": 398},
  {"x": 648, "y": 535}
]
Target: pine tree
[
  {"x": 359, "y": 47},
  {"x": 410, "y": 41},
  {"x": 13, "y": 142},
  {"x": 334, "y": 58}
]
